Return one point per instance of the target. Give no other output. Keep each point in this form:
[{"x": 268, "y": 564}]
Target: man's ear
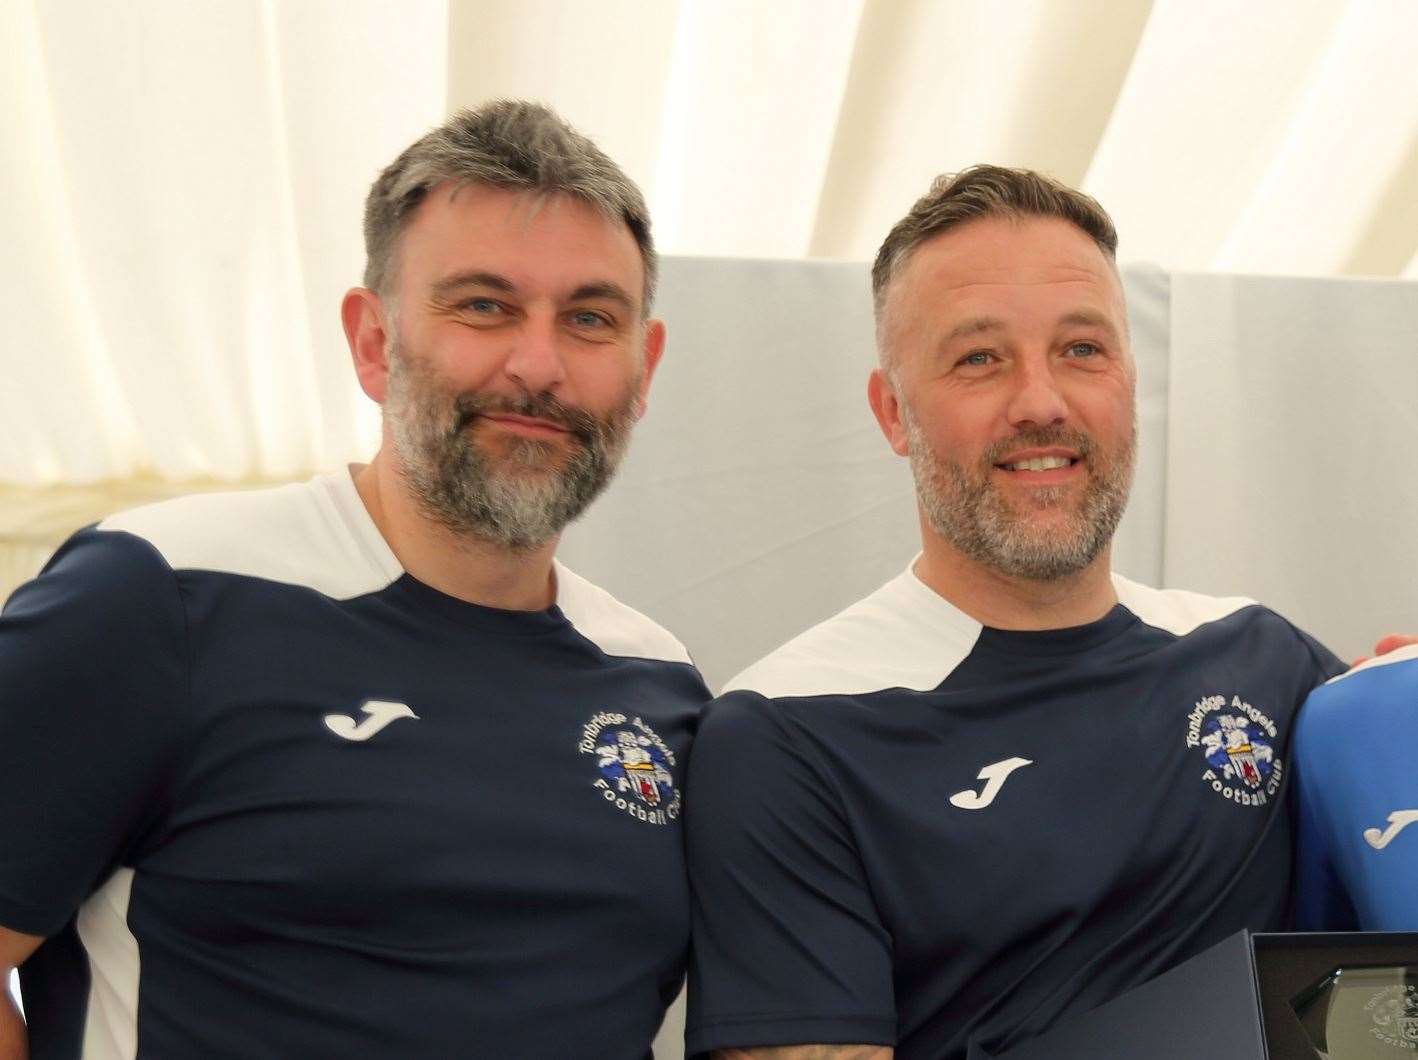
[
  {"x": 886, "y": 407},
  {"x": 652, "y": 351},
  {"x": 362, "y": 314}
]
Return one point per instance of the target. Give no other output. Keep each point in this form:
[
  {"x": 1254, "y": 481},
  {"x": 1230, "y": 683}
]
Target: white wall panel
[{"x": 1293, "y": 422}]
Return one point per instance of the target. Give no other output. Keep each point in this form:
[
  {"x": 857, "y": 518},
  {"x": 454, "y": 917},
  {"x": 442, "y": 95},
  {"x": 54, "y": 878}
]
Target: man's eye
[
  {"x": 586, "y": 318},
  {"x": 483, "y": 306},
  {"x": 977, "y": 359},
  {"x": 1082, "y": 349}
]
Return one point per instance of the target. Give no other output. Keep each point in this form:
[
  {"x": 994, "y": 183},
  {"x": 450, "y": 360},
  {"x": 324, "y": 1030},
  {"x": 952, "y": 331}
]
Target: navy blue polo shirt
[
  {"x": 907, "y": 829},
  {"x": 266, "y": 794}
]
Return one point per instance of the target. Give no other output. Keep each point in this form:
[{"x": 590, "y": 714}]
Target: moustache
[
  {"x": 577, "y": 422},
  {"x": 1038, "y": 438}
]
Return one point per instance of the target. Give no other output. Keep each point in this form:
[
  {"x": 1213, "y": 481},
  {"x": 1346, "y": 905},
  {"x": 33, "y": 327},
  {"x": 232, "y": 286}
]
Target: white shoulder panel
[
  {"x": 315, "y": 534},
  {"x": 111, "y": 1026},
  {"x": 611, "y": 625},
  {"x": 1398, "y": 655},
  {"x": 904, "y": 635},
  {"x": 1175, "y": 610}
]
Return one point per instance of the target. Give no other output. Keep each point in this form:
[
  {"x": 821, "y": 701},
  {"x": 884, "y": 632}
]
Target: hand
[
  {"x": 1394, "y": 640},
  {"x": 1387, "y": 644}
]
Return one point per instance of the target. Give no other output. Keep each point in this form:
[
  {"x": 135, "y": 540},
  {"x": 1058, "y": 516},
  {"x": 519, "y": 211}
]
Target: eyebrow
[
  {"x": 596, "y": 289},
  {"x": 603, "y": 289},
  {"x": 457, "y": 281},
  {"x": 974, "y": 326},
  {"x": 1087, "y": 318}
]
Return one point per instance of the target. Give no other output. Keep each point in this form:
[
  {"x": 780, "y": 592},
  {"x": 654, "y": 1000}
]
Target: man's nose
[
  {"x": 1037, "y": 400},
  {"x": 535, "y": 361}
]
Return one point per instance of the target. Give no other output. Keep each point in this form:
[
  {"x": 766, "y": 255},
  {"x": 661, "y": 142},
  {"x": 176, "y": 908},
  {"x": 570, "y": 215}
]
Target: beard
[
  {"x": 515, "y": 492},
  {"x": 967, "y": 508}
]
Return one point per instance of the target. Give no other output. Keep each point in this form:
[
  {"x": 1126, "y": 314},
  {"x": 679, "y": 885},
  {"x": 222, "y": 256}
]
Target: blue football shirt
[
  {"x": 267, "y": 795},
  {"x": 907, "y": 829},
  {"x": 1356, "y": 752}
]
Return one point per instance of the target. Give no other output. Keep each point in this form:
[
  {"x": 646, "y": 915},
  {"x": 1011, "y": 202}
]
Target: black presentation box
[{"x": 1231, "y": 1002}]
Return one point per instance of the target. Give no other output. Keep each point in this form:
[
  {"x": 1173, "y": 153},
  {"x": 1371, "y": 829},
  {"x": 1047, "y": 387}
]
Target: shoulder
[
  {"x": 1236, "y": 625},
  {"x": 1175, "y": 610},
  {"x": 104, "y": 619},
  {"x": 901, "y": 636},
  {"x": 614, "y": 627},
  {"x": 1385, "y": 683},
  {"x": 1183, "y": 614},
  {"x": 1405, "y": 669},
  {"x": 314, "y": 534},
  {"x": 748, "y": 744},
  {"x": 94, "y": 573},
  {"x": 1354, "y": 732}
]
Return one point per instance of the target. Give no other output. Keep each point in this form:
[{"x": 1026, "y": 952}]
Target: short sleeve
[
  {"x": 788, "y": 947},
  {"x": 92, "y": 677}
]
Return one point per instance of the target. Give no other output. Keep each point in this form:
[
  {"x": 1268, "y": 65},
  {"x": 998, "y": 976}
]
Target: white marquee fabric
[
  {"x": 185, "y": 180},
  {"x": 186, "y": 183}
]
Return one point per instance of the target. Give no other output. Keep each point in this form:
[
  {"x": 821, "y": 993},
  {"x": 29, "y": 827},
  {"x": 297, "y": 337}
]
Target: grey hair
[
  {"x": 506, "y": 143},
  {"x": 986, "y": 191}
]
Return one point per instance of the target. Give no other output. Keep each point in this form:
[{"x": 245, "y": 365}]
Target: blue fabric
[{"x": 1357, "y": 758}]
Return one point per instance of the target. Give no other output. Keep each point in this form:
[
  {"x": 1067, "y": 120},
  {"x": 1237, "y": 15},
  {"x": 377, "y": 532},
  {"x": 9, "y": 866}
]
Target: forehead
[
  {"x": 532, "y": 238},
  {"x": 1020, "y": 270}
]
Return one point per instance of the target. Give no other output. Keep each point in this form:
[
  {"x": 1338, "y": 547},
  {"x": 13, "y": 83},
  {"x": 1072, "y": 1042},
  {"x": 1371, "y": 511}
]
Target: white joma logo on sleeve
[
  {"x": 380, "y": 713},
  {"x": 1397, "y": 822},
  {"x": 994, "y": 776}
]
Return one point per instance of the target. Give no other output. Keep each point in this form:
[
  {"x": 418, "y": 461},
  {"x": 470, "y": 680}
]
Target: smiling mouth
[{"x": 1039, "y": 463}]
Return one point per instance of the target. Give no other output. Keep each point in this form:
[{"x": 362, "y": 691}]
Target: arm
[
  {"x": 14, "y": 948},
  {"x": 90, "y": 687},
  {"x": 788, "y": 946},
  {"x": 809, "y": 1052}
]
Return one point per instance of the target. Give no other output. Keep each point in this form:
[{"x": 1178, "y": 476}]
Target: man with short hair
[
  {"x": 355, "y": 767},
  {"x": 1009, "y": 784}
]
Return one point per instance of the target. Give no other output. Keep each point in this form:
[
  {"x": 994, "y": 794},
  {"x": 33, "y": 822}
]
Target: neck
[
  {"x": 467, "y": 568},
  {"x": 1005, "y": 602}
]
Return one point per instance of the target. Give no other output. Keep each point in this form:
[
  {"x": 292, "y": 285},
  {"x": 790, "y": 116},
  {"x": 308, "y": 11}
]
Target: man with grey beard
[
  {"x": 1010, "y": 784},
  {"x": 354, "y": 767}
]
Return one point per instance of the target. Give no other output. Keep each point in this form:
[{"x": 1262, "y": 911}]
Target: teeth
[{"x": 1040, "y": 463}]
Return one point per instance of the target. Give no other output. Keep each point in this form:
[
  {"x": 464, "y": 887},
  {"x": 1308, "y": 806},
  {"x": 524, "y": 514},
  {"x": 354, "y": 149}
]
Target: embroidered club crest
[
  {"x": 634, "y": 767},
  {"x": 629, "y": 759},
  {"x": 1237, "y": 741}
]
